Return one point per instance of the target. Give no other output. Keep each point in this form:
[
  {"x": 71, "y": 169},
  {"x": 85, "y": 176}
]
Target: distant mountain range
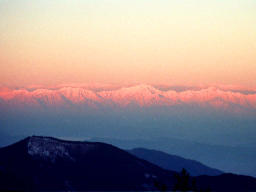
[
  {"x": 142, "y": 95},
  {"x": 221, "y": 118},
  {"x": 173, "y": 162},
  {"x": 216, "y": 156},
  {"x": 45, "y": 163}
]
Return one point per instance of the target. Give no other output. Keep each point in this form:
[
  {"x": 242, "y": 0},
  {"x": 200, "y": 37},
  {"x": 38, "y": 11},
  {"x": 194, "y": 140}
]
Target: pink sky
[{"x": 128, "y": 42}]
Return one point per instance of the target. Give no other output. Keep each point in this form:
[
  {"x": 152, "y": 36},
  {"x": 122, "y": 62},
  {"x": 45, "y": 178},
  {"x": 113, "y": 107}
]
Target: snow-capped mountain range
[{"x": 142, "y": 95}]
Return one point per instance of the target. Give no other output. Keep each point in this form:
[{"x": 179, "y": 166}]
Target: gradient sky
[{"x": 137, "y": 41}]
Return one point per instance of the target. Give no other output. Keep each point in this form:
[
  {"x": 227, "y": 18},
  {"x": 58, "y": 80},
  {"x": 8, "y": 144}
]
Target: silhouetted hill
[
  {"x": 45, "y": 163},
  {"x": 173, "y": 162}
]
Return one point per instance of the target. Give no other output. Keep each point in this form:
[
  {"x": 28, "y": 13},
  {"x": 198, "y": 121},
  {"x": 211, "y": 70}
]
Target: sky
[
  {"x": 195, "y": 61},
  {"x": 179, "y": 42}
]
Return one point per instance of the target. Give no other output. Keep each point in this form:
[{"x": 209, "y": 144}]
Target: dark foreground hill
[
  {"x": 44, "y": 163},
  {"x": 173, "y": 162}
]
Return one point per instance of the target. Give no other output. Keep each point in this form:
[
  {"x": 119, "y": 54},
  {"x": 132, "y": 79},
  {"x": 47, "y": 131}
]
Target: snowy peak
[
  {"x": 51, "y": 149},
  {"x": 141, "y": 88},
  {"x": 78, "y": 94},
  {"x": 141, "y": 95}
]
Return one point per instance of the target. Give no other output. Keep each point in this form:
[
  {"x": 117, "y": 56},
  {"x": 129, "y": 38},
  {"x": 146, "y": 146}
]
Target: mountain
[
  {"x": 217, "y": 156},
  {"x": 210, "y": 115},
  {"x": 173, "y": 162},
  {"x": 45, "y": 163},
  {"x": 142, "y": 95}
]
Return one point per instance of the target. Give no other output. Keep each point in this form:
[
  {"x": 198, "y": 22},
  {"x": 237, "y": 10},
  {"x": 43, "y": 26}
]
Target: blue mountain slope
[{"x": 173, "y": 162}]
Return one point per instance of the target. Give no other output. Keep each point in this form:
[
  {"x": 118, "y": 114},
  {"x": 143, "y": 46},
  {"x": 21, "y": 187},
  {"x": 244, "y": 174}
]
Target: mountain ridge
[
  {"x": 174, "y": 162},
  {"x": 47, "y": 163},
  {"x": 142, "y": 95},
  {"x": 104, "y": 167}
]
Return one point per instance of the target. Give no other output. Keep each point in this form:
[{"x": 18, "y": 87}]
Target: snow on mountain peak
[
  {"x": 51, "y": 149},
  {"x": 142, "y": 95},
  {"x": 47, "y": 149}
]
